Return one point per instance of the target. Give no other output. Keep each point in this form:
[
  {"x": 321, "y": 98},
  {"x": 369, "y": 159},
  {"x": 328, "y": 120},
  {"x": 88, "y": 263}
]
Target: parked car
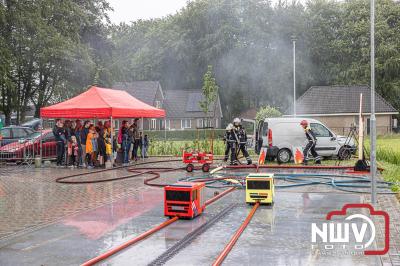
[
  {"x": 30, "y": 146},
  {"x": 282, "y": 135},
  {"x": 12, "y": 134},
  {"x": 35, "y": 124}
]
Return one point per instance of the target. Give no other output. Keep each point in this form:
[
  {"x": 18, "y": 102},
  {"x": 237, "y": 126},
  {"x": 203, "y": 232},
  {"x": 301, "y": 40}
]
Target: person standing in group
[
  {"x": 78, "y": 135},
  {"x": 145, "y": 146},
  {"x": 60, "y": 136},
  {"x": 140, "y": 144},
  {"x": 100, "y": 125},
  {"x": 107, "y": 140},
  {"x": 84, "y": 134},
  {"x": 132, "y": 139},
  {"x": 101, "y": 146},
  {"x": 91, "y": 147},
  {"x": 73, "y": 152},
  {"x": 68, "y": 135},
  {"x": 123, "y": 139},
  {"x": 136, "y": 140},
  {"x": 68, "y": 129}
]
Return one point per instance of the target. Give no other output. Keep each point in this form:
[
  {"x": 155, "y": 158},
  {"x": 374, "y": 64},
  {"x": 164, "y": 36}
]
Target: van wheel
[
  {"x": 344, "y": 153},
  {"x": 284, "y": 156}
]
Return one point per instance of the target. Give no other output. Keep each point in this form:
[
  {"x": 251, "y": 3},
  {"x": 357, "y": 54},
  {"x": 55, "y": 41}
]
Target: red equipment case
[
  {"x": 184, "y": 199},
  {"x": 204, "y": 158}
]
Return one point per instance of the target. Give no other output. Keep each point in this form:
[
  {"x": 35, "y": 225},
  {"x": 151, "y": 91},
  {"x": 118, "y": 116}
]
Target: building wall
[
  {"x": 175, "y": 124},
  {"x": 341, "y": 124},
  {"x": 159, "y": 98}
]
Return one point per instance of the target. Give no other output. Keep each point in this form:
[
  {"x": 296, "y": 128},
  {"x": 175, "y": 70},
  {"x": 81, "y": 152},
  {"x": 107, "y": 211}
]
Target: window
[
  {"x": 168, "y": 124},
  {"x": 158, "y": 104},
  {"x": 264, "y": 184},
  {"x": 320, "y": 131},
  {"x": 19, "y": 133},
  {"x": 186, "y": 123},
  {"x": 153, "y": 124},
  {"x": 200, "y": 122},
  {"x": 29, "y": 131},
  {"x": 176, "y": 195},
  {"x": 6, "y": 133}
]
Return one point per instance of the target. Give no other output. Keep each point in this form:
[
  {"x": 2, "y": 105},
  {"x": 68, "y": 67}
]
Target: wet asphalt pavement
[{"x": 278, "y": 235}]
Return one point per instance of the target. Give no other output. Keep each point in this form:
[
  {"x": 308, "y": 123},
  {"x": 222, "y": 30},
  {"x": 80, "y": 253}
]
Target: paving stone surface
[{"x": 30, "y": 199}]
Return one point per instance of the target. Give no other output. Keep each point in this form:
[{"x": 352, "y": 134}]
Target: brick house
[
  {"x": 338, "y": 108},
  {"x": 149, "y": 92},
  {"x": 184, "y": 112},
  {"x": 181, "y": 106}
]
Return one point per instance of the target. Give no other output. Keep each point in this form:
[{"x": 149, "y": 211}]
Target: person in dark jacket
[
  {"x": 145, "y": 145},
  {"x": 60, "y": 136},
  {"x": 84, "y": 134},
  {"x": 101, "y": 144},
  {"x": 312, "y": 142},
  {"x": 238, "y": 141},
  {"x": 78, "y": 134},
  {"x": 227, "y": 142},
  {"x": 125, "y": 141}
]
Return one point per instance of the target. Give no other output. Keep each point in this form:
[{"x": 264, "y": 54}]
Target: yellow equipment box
[{"x": 260, "y": 188}]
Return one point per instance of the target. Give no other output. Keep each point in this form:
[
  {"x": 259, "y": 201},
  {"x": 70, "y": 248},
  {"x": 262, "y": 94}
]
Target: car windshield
[
  {"x": 33, "y": 135},
  {"x": 31, "y": 123}
]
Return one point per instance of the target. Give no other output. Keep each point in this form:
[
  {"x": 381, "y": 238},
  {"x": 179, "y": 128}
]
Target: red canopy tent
[{"x": 102, "y": 103}]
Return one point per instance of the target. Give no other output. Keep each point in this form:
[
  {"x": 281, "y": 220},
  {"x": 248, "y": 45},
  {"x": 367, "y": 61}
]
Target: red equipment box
[
  {"x": 203, "y": 158},
  {"x": 184, "y": 199}
]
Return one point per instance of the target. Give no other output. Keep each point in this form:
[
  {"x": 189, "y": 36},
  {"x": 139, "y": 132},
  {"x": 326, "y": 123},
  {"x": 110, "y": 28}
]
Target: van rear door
[
  {"x": 250, "y": 127},
  {"x": 261, "y": 136}
]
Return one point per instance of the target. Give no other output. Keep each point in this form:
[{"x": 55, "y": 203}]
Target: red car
[{"x": 29, "y": 147}]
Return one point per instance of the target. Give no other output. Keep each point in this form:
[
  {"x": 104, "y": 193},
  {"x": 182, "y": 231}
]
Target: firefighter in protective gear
[
  {"x": 310, "y": 147},
  {"x": 238, "y": 141},
  {"x": 227, "y": 142}
]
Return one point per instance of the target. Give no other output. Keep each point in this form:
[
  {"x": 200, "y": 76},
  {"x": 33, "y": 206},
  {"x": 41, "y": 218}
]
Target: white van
[{"x": 282, "y": 135}]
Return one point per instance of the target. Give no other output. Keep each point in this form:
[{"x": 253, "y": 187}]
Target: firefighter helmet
[
  {"x": 236, "y": 121},
  {"x": 304, "y": 123},
  {"x": 229, "y": 127}
]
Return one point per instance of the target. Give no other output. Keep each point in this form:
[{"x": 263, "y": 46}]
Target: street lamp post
[
  {"x": 294, "y": 39},
  {"x": 373, "y": 167}
]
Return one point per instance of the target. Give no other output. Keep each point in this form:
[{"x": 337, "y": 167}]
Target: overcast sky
[{"x": 131, "y": 10}]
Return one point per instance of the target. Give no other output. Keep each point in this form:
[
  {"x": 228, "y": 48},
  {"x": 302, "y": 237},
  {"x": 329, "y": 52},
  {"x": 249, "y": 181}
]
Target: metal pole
[
  {"x": 294, "y": 75},
  {"x": 373, "y": 118}
]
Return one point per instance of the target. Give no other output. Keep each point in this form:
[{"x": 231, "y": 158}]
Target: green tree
[
  {"x": 267, "y": 112},
  {"x": 49, "y": 51},
  {"x": 210, "y": 95}
]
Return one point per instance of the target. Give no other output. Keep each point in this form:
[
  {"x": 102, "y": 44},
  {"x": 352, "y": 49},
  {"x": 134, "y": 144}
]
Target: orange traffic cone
[{"x": 298, "y": 156}]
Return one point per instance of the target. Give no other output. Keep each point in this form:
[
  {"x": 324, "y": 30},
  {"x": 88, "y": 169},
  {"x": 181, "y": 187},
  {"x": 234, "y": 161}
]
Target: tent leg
[
  {"x": 141, "y": 150},
  {"x": 112, "y": 141}
]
